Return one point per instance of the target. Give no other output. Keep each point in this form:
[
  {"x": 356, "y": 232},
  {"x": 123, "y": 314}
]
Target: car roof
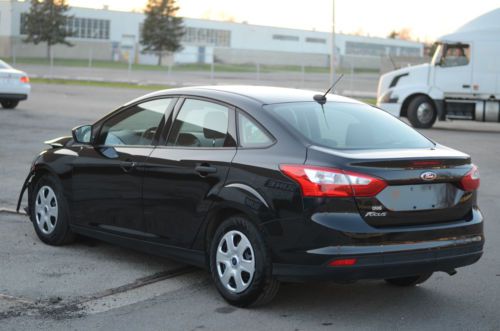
[{"x": 261, "y": 94}]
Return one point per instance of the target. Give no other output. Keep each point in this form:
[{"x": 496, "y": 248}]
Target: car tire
[
  {"x": 9, "y": 104},
  {"x": 422, "y": 112},
  {"x": 49, "y": 212},
  {"x": 242, "y": 271},
  {"x": 409, "y": 281}
]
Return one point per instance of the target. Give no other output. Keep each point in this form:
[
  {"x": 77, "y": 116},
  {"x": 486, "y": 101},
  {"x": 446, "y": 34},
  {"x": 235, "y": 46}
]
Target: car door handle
[
  {"x": 465, "y": 86},
  {"x": 204, "y": 170},
  {"x": 127, "y": 166}
]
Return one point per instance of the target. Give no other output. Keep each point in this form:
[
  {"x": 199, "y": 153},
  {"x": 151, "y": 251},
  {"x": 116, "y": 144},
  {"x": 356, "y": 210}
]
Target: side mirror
[{"x": 82, "y": 134}]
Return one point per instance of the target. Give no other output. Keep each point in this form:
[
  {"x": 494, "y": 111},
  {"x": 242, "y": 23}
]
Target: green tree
[
  {"x": 46, "y": 22},
  {"x": 162, "y": 29},
  {"x": 393, "y": 35}
]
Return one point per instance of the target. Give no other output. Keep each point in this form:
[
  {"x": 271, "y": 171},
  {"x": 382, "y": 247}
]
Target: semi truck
[{"x": 461, "y": 82}]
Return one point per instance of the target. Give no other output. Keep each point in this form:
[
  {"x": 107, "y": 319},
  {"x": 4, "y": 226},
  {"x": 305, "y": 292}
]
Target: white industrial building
[{"x": 114, "y": 35}]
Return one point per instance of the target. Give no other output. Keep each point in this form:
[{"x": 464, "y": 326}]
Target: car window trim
[
  {"x": 231, "y": 126},
  {"x": 119, "y": 111},
  {"x": 263, "y": 128}
]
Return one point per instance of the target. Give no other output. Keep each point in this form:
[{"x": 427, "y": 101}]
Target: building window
[
  {"x": 410, "y": 51},
  {"x": 315, "y": 40},
  {"x": 360, "y": 48},
  {"x": 285, "y": 37},
  {"x": 84, "y": 28},
  {"x": 202, "y": 36}
]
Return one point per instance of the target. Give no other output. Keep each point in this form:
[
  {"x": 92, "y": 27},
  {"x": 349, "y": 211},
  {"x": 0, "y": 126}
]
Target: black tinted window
[
  {"x": 201, "y": 124},
  {"x": 348, "y": 126},
  {"x": 136, "y": 125}
]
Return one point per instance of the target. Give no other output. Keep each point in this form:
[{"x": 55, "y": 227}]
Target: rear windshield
[
  {"x": 4, "y": 65},
  {"x": 343, "y": 125}
]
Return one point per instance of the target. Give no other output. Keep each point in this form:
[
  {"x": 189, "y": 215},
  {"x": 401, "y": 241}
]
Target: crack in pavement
[
  {"x": 57, "y": 308},
  {"x": 12, "y": 211}
]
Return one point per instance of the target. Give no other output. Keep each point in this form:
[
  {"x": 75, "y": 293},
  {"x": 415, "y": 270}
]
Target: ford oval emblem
[{"x": 428, "y": 176}]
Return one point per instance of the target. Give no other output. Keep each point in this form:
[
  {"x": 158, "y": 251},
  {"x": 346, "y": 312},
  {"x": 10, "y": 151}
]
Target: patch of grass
[
  {"x": 370, "y": 101},
  {"x": 98, "y": 84}
]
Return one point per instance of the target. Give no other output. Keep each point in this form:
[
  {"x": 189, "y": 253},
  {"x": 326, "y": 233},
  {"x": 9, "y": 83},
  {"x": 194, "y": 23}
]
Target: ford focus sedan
[
  {"x": 14, "y": 86},
  {"x": 260, "y": 185}
]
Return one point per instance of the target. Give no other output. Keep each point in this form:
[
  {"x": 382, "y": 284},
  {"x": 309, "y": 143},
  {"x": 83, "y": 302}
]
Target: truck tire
[
  {"x": 9, "y": 104},
  {"x": 422, "y": 112}
]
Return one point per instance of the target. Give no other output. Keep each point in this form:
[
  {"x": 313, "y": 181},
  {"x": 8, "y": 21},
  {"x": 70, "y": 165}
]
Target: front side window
[
  {"x": 250, "y": 134},
  {"x": 135, "y": 126},
  {"x": 343, "y": 125},
  {"x": 455, "y": 55},
  {"x": 201, "y": 124}
]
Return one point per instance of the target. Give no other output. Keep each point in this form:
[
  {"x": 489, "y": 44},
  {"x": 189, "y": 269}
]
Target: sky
[{"x": 426, "y": 19}]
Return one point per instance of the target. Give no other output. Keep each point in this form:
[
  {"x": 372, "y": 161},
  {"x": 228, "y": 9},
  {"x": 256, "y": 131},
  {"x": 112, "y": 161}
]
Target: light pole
[{"x": 332, "y": 55}]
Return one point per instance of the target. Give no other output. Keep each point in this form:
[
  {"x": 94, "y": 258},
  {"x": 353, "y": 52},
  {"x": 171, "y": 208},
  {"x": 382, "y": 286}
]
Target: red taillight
[
  {"x": 329, "y": 182},
  {"x": 342, "y": 262},
  {"x": 470, "y": 182},
  {"x": 24, "y": 79}
]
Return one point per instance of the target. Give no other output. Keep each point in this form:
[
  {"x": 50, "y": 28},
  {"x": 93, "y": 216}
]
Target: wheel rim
[
  {"x": 425, "y": 112},
  {"x": 235, "y": 261},
  {"x": 46, "y": 210}
]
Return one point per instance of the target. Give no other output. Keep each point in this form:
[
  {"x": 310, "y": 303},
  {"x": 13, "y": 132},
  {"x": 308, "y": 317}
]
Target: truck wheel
[
  {"x": 422, "y": 112},
  {"x": 9, "y": 104}
]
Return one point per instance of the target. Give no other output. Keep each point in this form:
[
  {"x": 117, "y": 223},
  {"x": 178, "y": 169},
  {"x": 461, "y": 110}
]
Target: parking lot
[{"x": 92, "y": 285}]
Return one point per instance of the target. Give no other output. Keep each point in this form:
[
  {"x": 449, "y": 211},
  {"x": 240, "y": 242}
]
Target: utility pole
[{"x": 332, "y": 55}]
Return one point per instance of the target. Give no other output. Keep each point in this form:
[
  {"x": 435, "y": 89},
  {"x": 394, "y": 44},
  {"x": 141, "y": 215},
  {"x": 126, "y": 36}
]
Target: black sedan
[{"x": 261, "y": 185}]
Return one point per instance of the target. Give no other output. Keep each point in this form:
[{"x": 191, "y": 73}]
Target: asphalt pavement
[{"x": 95, "y": 286}]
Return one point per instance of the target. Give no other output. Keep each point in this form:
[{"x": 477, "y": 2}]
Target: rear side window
[
  {"x": 342, "y": 125},
  {"x": 201, "y": 124},
  {"x": 250, "y": 134}
]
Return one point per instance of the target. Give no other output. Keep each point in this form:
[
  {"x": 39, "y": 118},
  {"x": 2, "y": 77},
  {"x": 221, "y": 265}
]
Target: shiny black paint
[
  {"x": 155, "y": 198},
  {"x": 106, "y": 186}
]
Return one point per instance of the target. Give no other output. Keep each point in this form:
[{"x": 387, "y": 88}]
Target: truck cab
[{"x": 462, "y": 81}]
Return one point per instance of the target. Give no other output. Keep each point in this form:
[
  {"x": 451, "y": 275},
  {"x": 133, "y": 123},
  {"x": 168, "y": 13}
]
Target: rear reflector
[
  {"x": 24, "y": 79},
  {"x": 329, "y": 182},
  {"x": 470, "y": 182},
  {"x": 342, "y": 262}
]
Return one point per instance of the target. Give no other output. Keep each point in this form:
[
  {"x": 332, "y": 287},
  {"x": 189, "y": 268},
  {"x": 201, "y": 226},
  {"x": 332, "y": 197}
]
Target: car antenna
[{"x": 321, "y": 98}]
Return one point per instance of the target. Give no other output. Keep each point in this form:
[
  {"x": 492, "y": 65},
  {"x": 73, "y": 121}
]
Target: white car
[{"x": 14, "y": 86}]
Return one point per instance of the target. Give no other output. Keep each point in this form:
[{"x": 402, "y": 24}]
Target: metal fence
[{"x": 360, "y": 79}]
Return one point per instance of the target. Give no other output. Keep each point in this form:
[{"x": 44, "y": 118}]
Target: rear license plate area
[{"x": 419, "y": 197}]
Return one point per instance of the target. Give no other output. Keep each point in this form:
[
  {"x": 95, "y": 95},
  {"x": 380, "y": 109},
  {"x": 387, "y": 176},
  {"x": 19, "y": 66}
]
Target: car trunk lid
[{"x": 422, "y": 184}]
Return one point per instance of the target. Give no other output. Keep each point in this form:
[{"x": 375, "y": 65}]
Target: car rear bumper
[
  {"x": 13, "y": 96},
  {"x": 389, "y": 264},
  {"x": 387, "y": 252}
]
